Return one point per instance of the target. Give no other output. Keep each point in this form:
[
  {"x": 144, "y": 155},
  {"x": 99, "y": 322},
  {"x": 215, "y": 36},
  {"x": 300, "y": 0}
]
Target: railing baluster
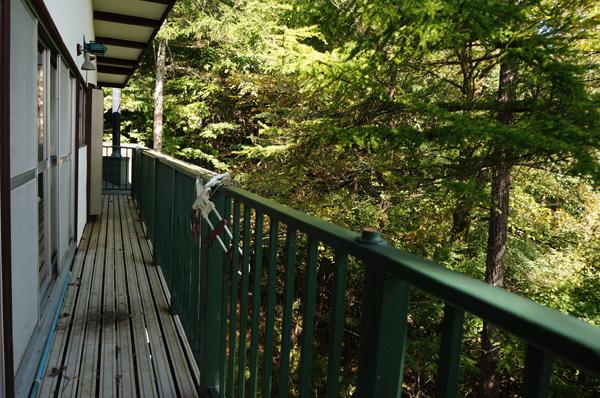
[
  {"x": 227, "y": 265},
  {"x": 286, "y": 328},
  {"x": 197, "y": 261},
  {"x": 172, "y": 248},
  {"x": 235, "y": 256},
  {"x": 256, "y": 294},
  {"x": 337, "y": 324},
  {"x": 383, "y": 334},
  {"x": 270, "y": 307},
  {"x": 308, "y": 318},
  {"x": 152, "y": 226},
  {"x": 449, "y": 362},
  {"x": 538, "y": 368},
  {"x": 385, "y": 304},
  {"x": 210, "y": 311},
  {"x": 244, "y": 303}
]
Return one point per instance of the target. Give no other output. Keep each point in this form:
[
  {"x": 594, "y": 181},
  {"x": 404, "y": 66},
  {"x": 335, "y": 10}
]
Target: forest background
[{"x": 466, "y": 131}]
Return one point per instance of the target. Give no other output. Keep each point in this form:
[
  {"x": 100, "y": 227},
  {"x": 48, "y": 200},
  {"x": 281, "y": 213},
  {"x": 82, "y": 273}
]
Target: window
[{"x": 81, "y": 117}]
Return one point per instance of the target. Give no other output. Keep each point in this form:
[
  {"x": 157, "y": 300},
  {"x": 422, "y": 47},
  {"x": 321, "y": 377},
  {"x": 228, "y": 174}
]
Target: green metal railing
[
  {"x": 116, "y": 168},
  {"x": 230, "y": 304}
]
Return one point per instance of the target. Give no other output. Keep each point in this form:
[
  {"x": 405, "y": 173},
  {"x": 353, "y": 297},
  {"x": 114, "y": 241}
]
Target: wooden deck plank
[
  {"x": 88, "y": 376},
  {"x": 72, "y": 358},
  {"x": 161, "y": 364},
  {"x": 183, "y": 375},
  {"x": 116, "y": 337},
  {"x": 108, "y": 354},
  {"x": 125, "y": 369},
  {"x": 55, "y": 360},
  {"x": 145, "y": 371}
]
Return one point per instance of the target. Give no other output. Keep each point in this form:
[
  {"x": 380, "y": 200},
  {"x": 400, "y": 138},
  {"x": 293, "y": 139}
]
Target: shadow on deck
[{"x": 115, "y": 336}]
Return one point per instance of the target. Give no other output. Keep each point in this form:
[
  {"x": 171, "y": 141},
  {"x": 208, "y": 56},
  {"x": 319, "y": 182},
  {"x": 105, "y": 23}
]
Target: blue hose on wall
[{"x": 42, "y": 365}]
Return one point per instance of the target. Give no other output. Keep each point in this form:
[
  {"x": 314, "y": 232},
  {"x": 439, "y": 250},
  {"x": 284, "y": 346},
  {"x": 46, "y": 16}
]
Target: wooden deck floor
[{"x": 115, "y": 336}]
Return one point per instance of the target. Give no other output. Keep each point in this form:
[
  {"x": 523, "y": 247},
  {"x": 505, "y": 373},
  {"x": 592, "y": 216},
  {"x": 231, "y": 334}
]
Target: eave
[{"x": 128, "y": 29}]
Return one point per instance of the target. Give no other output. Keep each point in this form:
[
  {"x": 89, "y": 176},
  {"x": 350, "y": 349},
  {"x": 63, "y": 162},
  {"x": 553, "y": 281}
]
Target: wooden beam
[
  {"x": 116, "y": 61},
  {"x": 113, "y": 85},
  {"x": 154, "y": 33},
  {"x": 125, "y": 19},
  {"x": 114, "y": 70},
  {"x": 111, "y": 41},
  {"x": 165, "y": 2}
]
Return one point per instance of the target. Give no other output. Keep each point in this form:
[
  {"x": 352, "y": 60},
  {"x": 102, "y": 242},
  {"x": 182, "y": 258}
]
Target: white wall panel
[
  {"x": 65, "y": 141},
  {"x": 95, "y": 146},
  {"x": 23, "y": 66},
  {"x": 64, "y": 176},
  {"x": 74, "y": 19},
  {"x": 23, "y": 147},
  {"x": 81, "y": 193},
  {"x": 24, "y": 224}
]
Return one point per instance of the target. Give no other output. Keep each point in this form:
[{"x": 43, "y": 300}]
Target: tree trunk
[
  {"x": 494, "y": 270},
  {"x": 157, "y": 135},
  {"x": 498, "y": 223}
]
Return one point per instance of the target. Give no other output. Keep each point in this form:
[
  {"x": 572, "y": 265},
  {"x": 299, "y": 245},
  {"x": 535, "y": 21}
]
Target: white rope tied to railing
[
  {"x": 204, "y": 191},
  {"x": 203, "y": 207}
]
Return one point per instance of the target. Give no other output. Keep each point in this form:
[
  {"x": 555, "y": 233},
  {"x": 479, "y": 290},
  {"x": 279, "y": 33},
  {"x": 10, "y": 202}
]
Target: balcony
[
  {"x": 158, "y": 308},
  {"x": 115, "y": 335}
]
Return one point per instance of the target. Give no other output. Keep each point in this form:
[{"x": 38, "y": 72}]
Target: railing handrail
[
  {"x": 547, "y": 329},
  {"x": 106, "y": 144},
  {"x": 563, "y": 335}
]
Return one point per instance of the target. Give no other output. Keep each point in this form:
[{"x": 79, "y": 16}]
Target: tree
[
  {"x": 459, "y": 49},
  {"x": 161, "y": 70},
  {"x": 427, "y": 120}
]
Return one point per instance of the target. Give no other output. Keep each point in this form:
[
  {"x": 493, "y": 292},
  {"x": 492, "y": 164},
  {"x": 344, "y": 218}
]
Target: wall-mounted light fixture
[
  {"x": 89, "y": 51},
  {"x": 87, "y": 62}
]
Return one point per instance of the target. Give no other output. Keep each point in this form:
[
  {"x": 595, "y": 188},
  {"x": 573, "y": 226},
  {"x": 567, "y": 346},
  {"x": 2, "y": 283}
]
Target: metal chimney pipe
[{"x": 116, "y": 121}]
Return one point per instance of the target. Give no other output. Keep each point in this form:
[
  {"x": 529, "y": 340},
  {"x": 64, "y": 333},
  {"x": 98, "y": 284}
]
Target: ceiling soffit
[{"x": 127, "y": 27}]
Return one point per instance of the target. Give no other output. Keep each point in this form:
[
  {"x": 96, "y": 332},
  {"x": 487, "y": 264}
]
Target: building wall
[
  {"x": 74, "y": 18},
  {"x": 81, "y": 192},
  {"x": 65, "y": 142},
  {"x": 95, "y": 146},
  {"x": 23, "y": 162}
]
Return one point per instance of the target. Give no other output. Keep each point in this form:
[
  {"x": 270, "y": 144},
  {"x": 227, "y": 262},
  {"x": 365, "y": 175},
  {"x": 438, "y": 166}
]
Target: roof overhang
[{"x": 127, "y": 27}]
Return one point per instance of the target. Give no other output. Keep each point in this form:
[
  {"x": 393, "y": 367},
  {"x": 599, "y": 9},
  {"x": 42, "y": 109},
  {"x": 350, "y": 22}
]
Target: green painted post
[
  {"x": 538, "y": 368},
  {"x": 308, "y": 318},
  {"x": 449, "y": 363},
  {"x": 133, "y": 170},
  {"x": 383, "y": 330},
  {"x": 286, "y": 324},
  {"x": 196, "y": 262},
  {"x": 211, "y": 315},
  {"x": 235, "y": 256},
  {"x": 152, "y": 226},
  {"x": 242, "y": 347},
  {"x": 337, "y": 324},
  {"x": 256, "y": 295},
  {"x": 227, "y": 265},
  {"x": 175, "y": 307},
  {"x": 270, "y": 307}
]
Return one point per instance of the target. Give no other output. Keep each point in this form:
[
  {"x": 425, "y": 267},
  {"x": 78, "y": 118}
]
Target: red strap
[
  {"x": 215, "y": 232},
  {"x": 195, "y": 225}
]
